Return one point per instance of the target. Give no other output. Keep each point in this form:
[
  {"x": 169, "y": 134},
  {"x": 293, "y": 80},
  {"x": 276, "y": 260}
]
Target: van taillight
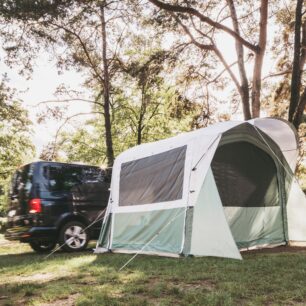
[{"x": 35, "y": 206}]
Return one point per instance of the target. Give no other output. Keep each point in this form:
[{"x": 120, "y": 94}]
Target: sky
[{"x": 42, "y": 87}]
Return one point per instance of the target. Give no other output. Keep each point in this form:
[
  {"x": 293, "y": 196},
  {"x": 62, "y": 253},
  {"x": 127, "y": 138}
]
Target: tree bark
[
  {"x": 143, "y": 109},
  {"x": 296, "y": 70},
  {"x": 300, "y": 110},
  {"x": 139, "y": 130},
  {"x": 244, "y": 87},
  {"x": 303, "y": 47},
  {"x": 106, "y": 85},
  {"x": 259, "y": 56}
]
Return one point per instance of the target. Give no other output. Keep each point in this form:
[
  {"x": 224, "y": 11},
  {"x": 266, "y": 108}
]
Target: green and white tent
[{"x": 210, "y": 192}]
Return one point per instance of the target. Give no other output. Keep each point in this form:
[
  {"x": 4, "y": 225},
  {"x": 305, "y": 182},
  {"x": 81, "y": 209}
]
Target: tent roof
[{"x": 282, "y": 132}]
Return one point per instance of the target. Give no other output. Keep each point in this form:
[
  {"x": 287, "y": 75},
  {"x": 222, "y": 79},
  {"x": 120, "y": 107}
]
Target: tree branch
[
  {"x": 93, "y": 66},
  {"x": 203, "y": 18},
  {"x": 65, "y": 122},
  {"x": 228, "y": 68},
  {"x": 193, "y": 40},
  {"x": 67, "y": 100},
  {"x": 220, "y": 73},
  {"x": 277, "y": 74}
]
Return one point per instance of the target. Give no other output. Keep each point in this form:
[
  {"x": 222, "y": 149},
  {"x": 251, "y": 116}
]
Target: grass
[{"x": 269, "y": 278}]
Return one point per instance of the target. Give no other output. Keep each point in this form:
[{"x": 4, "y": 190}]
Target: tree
[
  {"x": 81, "y": 38},
  {"x": 298, "y": 94},
  {"x": 287, "y": 98},
  {"x": 80, "y": 26},
  {"x": 145, "y": 69},
  {"x": 15, "y": 143},
  {"x": 175, "y": 114},
  {"x": 194, "y": 19},
  {"x": 20, "y": 33}
]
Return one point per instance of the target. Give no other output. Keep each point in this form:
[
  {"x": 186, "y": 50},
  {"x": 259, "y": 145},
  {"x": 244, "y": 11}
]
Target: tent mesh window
[
  {"x": 153, "y": 179},
  {"x": 245, "y": 175}
]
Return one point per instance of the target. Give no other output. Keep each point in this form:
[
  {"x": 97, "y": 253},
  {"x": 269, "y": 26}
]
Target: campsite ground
[{"x": 263, "y": 278}]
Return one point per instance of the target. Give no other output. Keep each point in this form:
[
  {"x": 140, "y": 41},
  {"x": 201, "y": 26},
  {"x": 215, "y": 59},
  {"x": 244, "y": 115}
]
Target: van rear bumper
[{"x": 24, "y": 234}]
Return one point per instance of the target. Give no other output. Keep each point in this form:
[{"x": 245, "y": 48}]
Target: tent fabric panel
[
  {"x": 252, "y": 226},
  {"x": 296, "y": 213},
  {"x": 124, "y": 251},
  {"x": 103, "y": 240},
  {"x": 203, "y": 155},
  {"x": 211, "y": 235},
  {"x": 283, "y": 133},
  {"x": 164, "y": 147},
  {"x": 153, "y": 179},
  {"x": 188, "y": 231},
  {"x": 161, "y": 230},
  {"x": 241, "y": 166}
]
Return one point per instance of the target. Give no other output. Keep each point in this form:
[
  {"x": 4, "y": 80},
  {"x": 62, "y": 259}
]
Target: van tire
[
  {"x": 42, "y": 246},
  {"x": 73, "y": 237}
]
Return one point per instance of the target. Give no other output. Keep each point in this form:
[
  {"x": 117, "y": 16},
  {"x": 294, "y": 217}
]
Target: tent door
[{"x": 249, "y": 187}]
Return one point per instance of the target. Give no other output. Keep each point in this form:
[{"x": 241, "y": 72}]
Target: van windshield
[{"x": 65, "y": 177}]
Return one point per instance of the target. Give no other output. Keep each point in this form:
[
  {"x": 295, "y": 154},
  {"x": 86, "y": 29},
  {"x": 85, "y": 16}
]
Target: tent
[{"x": 209, "y": 192}]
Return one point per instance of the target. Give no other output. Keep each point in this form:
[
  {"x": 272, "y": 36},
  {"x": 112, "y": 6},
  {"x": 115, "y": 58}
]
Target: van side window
[
  {"x": 65, "y": 177},
  {"x": 62, "y": 178},
  {"x": 93, "y": 175}
]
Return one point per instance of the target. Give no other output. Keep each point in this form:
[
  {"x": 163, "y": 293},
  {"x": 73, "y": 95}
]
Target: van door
[
  {"x": 56, "y": 184},
  {"x": 90, "y": 198}
]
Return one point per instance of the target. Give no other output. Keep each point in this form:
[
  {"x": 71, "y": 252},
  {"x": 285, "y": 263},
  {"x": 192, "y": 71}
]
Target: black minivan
[{"x": 52, "y": 203}]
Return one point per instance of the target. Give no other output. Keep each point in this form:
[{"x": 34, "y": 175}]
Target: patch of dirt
[
  {"x": 41, "y": 277},
  {"x": 198, "y": 284},
  {"x": 69, "y": 301},
  {"x": 6, "y": 243}
]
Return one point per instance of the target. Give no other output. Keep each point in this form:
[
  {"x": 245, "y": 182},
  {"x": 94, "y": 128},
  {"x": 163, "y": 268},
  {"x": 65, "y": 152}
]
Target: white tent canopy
[{"x": 209, "y": 192}]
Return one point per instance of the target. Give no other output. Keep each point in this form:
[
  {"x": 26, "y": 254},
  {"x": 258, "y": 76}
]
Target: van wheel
[
  {"x": 42, "y": 246},
  {"x": 73, "y": 237}
]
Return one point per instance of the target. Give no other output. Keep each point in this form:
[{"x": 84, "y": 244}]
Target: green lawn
[{"x": 87, "y": 279}]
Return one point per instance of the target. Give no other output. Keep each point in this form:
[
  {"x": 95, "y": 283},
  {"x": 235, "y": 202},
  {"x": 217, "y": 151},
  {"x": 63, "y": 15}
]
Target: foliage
[
  {"x": 278, "y": 100},
  {"x": 15, "y": 144},
  {"x": 201, "y": 26},
  {"x": 284, "y": 52},
  {"x": 175, "y": 114},
  {"x": 20, "y": 33},
  {"x": 166, "y": 60}
]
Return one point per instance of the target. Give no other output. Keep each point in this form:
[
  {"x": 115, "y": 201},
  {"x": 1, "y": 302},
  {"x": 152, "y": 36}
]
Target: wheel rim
[{"x": 75, "y": 237}]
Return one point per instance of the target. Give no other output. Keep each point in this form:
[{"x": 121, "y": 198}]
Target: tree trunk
[
  {"x": 296, "y": 70},
  {"x": 244, "y": 88},
  {"x": 302, "y": 101},
  {"x": 259, "y": 56},
  {"x": 143, "y": 109},
  {"x": 300, "y": 110},
  {"x": 139, "y": 131},
  {"x": 106, "y": 85},
  {"x": 245, "y": 99}
]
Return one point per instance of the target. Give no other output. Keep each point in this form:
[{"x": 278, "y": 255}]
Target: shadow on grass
[{"x": 87, "y": 279}]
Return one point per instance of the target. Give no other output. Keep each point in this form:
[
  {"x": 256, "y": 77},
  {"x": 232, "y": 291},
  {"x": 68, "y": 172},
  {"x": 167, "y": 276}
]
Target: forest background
[{"x": 147, "y": 70}]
